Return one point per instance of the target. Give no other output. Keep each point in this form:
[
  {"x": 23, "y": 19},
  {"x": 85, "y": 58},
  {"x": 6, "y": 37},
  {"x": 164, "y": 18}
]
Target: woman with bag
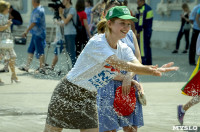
[
  {"x": 68, "y": 15},
  {"x": 185, "y": 29},
  {"x": 6, "y": 41},
  {"x": 73, "y": 103}
]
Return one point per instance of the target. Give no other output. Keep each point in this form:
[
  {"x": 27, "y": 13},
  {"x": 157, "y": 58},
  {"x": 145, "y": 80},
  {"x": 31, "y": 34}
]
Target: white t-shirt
[
  {"x": 198, "y": 45},
  {"x": 91, "y": 71}
]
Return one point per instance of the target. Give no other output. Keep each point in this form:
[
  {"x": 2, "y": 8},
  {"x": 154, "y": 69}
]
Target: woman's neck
[{"x": 112, "y": 41}]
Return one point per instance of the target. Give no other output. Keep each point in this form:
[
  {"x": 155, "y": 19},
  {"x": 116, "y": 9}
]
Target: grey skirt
[{"x": 72, "y": 107}]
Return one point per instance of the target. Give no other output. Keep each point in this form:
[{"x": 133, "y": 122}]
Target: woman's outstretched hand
[
  {"x": 168, "y": 67},
  {"x": 157, "y": 71}
]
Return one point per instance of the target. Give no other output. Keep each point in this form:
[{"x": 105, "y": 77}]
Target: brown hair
[
  {"x": 185, "y": 6},
  {"x": 80, "y": 5},
  {"x": 4, "y": 5}
]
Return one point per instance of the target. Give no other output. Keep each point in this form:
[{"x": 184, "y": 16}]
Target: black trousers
[
  {"x": 192, "y": 51},
  {"x": 180, "y": 35},
  {"x": 81, "y": 40}
]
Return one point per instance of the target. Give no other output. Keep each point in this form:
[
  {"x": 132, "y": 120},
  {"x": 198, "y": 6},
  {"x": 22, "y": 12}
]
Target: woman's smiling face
[{"x": 120, "y": 27}]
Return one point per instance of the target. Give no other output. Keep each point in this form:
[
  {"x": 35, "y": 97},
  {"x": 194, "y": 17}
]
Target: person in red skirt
[{"x": 191, "y": 90}]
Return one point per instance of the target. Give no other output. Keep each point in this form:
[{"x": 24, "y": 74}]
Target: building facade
[{"x": 166, "y": 22}]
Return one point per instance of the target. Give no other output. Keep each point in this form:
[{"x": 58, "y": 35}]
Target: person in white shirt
[{"x": 73, "y": 103}]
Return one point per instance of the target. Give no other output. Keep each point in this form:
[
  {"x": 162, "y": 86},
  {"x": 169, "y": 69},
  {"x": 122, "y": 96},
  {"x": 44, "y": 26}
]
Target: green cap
[{"x": 121, "y": 12}]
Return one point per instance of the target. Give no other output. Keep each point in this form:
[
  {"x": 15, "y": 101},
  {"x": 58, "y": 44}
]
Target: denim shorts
[
  {"x": 58, "y": 47},
  {"x": 37, "y": 44}
]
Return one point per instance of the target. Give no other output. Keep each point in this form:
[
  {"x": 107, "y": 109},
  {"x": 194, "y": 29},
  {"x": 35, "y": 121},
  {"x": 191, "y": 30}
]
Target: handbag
[
  {"x": 20, "y": 40},
  {"x": 187, "y": 26},
  {"x": 6, "y": 44},
  {"x": 142, "y": 98},
  {"x": 124, "y": 105}
]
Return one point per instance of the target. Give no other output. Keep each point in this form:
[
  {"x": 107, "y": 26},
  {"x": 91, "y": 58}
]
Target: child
[{"x": 58, "y": 42}]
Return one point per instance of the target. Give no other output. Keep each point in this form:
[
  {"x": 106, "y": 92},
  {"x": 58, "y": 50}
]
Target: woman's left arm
[
  {"x": 87, "y": 27},
  {"x": 2, "y": 28}
]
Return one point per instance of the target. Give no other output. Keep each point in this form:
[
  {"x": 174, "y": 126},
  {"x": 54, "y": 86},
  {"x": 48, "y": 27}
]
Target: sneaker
[
  {"x": 42, "y": 71},
  {"x": 4, "y": 70},
  {"x": 180, "y": 114},
  {"x": 175, "y": 51},
  {"x": 23, "y": 69},
  {"x": 185, "y": 51}
]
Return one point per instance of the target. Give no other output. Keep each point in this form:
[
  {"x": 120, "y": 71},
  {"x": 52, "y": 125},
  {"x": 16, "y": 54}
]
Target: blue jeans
[
  {"x": 71, "y": 47},
  {"x": 15, "y": 22}
]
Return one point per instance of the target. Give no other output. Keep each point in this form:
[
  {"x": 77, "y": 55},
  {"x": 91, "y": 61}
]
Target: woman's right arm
[
  {"x": 2, "y": 28},
  {"x": 67, "y": 19},
  {"x": 197, "y": 19},
  {"x": 137, "y": 50},
  {"x": 87, "y": 27},
  {"x": 96, "y": 6},
  {"x": 137, "y": 67}
]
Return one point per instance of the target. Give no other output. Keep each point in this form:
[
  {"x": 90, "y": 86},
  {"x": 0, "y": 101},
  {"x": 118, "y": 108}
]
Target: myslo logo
[{"x": 185, "y": 128}]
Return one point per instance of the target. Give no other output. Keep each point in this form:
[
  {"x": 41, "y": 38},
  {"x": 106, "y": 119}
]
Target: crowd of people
[{"x": 114, "y": 47}]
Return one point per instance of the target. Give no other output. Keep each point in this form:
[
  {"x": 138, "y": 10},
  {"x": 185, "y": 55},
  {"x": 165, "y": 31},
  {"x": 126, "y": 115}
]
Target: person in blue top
[
  {"x": 195, "y": 33},
  {"x": 144, "y": 30},
  {"x": 37, "y": 28},
  {"x": 108, "y": 118}
]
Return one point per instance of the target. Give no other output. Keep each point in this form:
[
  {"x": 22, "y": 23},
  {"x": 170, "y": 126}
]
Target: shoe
[
  {"x": 185, "y": 51},
  {"x": 40, "y": 70},
  {"x": 180, "y": 114},
  {"x": 193, "y": 64},
  {"x": 23, "y": 69},
  {"x": 175, "y": 51},
  {"x": 4, "y": 70},
  {"x": 14, "y": 78}
]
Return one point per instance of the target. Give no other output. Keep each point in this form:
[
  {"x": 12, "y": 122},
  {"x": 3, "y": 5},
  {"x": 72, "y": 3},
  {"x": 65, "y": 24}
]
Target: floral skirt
[{"x": 7, "y": 54}]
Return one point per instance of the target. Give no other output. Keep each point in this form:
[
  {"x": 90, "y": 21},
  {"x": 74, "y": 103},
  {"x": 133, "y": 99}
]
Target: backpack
[{"x": 78, "y": 24}]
